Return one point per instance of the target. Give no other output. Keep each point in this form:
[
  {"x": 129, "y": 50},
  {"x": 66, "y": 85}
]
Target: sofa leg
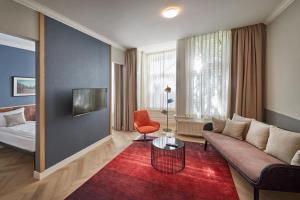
[
  {"x": 256, "y": 194},
  {"x": 205, "y": 145}
]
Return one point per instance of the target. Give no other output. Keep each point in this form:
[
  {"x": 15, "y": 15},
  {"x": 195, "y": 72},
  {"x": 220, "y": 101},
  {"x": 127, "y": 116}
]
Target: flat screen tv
[{"x": 88, "y": 100}]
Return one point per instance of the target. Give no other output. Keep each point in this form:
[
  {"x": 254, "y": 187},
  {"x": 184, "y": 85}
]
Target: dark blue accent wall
[
  {"x": 15, "y": 62},
  {"x": 72, "y": 60}
]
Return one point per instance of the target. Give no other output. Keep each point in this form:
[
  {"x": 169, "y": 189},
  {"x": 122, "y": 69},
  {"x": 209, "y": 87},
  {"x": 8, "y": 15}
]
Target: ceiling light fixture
[{"x": 170, "y": 12}]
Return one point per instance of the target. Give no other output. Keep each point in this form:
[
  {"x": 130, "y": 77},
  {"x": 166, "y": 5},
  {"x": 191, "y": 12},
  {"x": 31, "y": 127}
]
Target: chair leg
[
  {"x": 143, "y": 139},
  {"x": 256, "y": 194},
  {"x": 205, "y": 145}
]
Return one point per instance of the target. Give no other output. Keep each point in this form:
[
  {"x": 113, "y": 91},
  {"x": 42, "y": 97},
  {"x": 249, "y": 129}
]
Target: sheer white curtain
[
  {"x": 207, "y": 70},
  {"x": 158, "y": 70}
]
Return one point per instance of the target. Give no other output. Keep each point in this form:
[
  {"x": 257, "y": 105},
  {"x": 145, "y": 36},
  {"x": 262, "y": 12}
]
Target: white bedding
[{"x": 21, "y": 136}]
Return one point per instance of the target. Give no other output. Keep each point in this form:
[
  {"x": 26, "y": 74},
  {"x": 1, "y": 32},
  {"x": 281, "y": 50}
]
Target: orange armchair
[{"x": 143, "y": 124}]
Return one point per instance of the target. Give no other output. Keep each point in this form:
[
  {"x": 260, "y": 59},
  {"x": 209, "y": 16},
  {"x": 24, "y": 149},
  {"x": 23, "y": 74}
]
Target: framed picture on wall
[{"x": 23, "y": 86}]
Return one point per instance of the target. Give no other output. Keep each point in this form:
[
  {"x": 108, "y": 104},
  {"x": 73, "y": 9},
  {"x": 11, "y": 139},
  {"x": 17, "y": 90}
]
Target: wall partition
[{"x": 69, "y": 59}]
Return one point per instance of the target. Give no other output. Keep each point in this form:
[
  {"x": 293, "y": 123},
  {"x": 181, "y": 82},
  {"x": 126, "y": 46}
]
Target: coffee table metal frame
[{"x": 168, "y": 160}]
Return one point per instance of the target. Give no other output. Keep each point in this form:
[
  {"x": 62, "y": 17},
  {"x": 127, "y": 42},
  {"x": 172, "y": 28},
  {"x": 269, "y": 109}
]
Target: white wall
[
  {"x": 283, "y": 63},
  {"x": 18, "y": 20},
  {"x": 117, "y": 55}
]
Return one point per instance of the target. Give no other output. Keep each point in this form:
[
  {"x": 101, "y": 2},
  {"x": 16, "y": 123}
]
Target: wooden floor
[{"x": 17, "y": 183}]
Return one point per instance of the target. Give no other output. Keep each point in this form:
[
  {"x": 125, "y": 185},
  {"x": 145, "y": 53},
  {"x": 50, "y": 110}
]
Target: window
[
  {"x": 158, "y": 71},
  {"x": 208, "y": 58}
]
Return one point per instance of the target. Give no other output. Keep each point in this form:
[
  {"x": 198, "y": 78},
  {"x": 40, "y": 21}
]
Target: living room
[{"x": 150, "y": 99}]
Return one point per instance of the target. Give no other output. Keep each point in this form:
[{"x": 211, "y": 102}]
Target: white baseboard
[{"x": 63, "y": 163}]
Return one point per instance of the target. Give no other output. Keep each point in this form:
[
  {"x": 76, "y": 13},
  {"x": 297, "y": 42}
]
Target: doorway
[{"x": 18, "y": 83}]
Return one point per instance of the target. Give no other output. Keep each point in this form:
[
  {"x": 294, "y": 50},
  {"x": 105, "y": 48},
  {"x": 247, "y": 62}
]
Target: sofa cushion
[
  {"x": 234, "y": 129},
  {"x": 248, "y": 121},
  {"x": 258, "y": 134},
  {"x": 218, "y": 125},
  {"x": 296, "y": 159},
  {"x": 249, "y": 159},
  {"x": 283, "y": 144}
]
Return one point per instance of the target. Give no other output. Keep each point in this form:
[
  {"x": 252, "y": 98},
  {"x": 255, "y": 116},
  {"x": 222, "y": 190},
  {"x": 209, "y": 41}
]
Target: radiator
[{"x": 187, "y": 126}]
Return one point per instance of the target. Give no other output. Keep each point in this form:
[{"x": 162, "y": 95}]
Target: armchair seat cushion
[
  {"x": 147, "y": 129},
  {"x": 249, "y": 159}
]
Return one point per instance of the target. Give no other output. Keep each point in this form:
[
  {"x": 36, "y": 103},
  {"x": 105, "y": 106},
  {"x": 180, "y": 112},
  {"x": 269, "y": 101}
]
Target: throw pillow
[
  {"x": 258, "y": 134},
  {"x": 2, "y": 119},
  {"x": 248, "y": 121},
  {"x": 218, "y": 125},
  {"x": 296, "y": 159},
  {"x": 283, "y": 144},
  {"x": 234, "y": 129},
  {"x": 14, "y": 119}
]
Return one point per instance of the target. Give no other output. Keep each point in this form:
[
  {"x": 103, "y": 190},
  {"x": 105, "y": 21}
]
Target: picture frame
[{"x": 24, "y": 86}]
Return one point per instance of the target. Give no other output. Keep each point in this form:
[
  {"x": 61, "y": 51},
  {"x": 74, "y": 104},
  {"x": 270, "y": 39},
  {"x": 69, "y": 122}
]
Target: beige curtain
[
  {"x": 130, "y": 96},
  {"x": 118, "y": 96},
  {"x": 248, "y": 66}
]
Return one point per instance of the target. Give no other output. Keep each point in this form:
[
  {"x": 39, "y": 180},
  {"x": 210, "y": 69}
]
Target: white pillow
[
  {"x": 283, "y": 144},
  {"x": 296, "y": 159},
  {"x": 258, "y": 134},
  {"x": 218, "y": 125},
  {"x": 2, "y": 119},
  {"x": 234, "y": 129},
  {"x": 248, "y": 121},
  {"x": 14, "y": 119}
]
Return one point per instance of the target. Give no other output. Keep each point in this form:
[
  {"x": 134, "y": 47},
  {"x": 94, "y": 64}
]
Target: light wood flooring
[{"x": 17, "y": 183}]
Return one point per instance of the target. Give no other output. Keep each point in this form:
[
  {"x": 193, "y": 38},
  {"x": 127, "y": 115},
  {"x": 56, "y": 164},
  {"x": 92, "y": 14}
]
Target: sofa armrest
[
  {"x": 208, "y": 127},
  {"x": 282, "y": 177}
]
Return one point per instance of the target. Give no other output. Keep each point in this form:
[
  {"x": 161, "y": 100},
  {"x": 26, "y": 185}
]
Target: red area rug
[{"x": 130, "y": 176}]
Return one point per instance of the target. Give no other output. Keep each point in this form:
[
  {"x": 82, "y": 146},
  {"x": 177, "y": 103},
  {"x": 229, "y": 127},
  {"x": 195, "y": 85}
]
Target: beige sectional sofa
[{"x": 262, "y": 170}]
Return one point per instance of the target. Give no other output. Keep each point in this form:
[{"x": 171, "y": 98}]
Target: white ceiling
[{"x": 136, "y": 23}]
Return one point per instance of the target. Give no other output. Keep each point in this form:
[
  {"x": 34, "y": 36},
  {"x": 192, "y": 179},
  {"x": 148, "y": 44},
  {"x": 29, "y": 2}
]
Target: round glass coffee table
[{"x": 168, "y": 154}]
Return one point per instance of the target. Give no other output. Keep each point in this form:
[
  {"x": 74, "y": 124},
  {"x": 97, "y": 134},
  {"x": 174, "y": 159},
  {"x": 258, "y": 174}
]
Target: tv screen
[{"x": 89, "y": 100}]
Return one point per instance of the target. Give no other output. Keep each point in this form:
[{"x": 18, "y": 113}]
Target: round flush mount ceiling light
[{"x": 170, "y": 12}]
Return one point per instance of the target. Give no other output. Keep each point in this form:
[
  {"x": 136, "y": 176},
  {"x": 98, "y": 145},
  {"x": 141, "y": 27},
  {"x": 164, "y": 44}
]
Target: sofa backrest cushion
[
  {"x": 234, "y": 129},
  {"x": 296, "y": 159},
  {"x": 258, "y": 134},
  {"x": 218, "y": 125},
  {"x": 283, "y": 144},
  {"x": 248, "y": 121}
]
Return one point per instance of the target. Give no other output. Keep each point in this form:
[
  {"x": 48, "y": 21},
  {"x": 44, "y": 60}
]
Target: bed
[{"x": 22, "y": 136}]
